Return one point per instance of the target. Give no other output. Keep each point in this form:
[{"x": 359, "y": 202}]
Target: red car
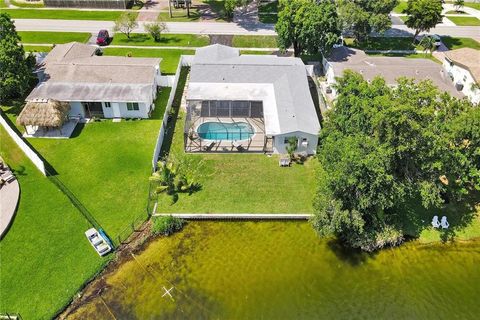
[{"x": 103, "y": 37}]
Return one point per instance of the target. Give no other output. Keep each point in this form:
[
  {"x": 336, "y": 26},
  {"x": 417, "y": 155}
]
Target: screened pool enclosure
[{"x": 225, "y": 126}]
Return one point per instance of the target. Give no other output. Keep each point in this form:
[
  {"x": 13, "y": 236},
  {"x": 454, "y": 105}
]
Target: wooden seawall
[{"x": 238, "y": 216}]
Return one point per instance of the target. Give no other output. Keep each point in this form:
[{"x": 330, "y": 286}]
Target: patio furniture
[
  {"x": 238, "y": 146},
  {"x": 435, "y": 222},
  {"x": 284, "y": 161},
  {"x": 444, "y": 223},
  {"x": 209, "y": 146}
]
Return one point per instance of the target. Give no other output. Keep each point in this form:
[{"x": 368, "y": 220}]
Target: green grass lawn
[
  {"x": 469, "y": 4},
  {"x": 2, "y": 4},
  {"x": 143, "y": 39},
  {"x": 45, "y": 255},
  {"x": 457, "y": 43},
  {"x": 63, "y": 14},
  {"x": 472, "y": 5},
  {"x": 37, "y": 48},
  {"x": 241, "y": 182},
  {"x": 254, "y": 41},
  {"x": 170, "y": 57},
  {"x": 383, "y": 43},
  {"x": 465, "y": 21},
  {"x": 53, "y": 37},
  {"x": 402, "y": 5},
  {"x": 463, "y": 217},
  {"x": 107, "y": 165}
]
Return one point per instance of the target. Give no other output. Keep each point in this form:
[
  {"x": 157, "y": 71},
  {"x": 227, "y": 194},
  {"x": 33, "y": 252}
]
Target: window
[
  {"x": 132, "y": 106},
  {"x": 107, "y": 105}
]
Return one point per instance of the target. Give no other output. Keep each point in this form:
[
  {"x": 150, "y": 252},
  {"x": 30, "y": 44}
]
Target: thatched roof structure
[{"x": 44, "y": 113}]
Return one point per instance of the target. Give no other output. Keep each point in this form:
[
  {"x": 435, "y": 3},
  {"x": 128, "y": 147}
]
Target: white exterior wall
[
  {"x": 463, "y": 76},
  {"x": 76, "y": 109},
  {"x": 141, "y": 113},
  {"x": 279, "y": 145}
]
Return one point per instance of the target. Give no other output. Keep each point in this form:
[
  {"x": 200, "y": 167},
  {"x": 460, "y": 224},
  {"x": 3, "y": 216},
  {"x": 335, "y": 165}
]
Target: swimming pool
[{"x": 225, "y": 131}]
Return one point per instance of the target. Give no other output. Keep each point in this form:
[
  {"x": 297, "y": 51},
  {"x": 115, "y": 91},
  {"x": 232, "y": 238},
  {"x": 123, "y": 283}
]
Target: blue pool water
[{"x": 225, "y": 131}]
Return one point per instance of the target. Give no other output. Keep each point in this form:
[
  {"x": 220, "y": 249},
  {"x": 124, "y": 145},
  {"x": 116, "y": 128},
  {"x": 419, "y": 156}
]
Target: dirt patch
[
  {"x": 224, "y": 39},
  {"x": 137, "y": 242}
]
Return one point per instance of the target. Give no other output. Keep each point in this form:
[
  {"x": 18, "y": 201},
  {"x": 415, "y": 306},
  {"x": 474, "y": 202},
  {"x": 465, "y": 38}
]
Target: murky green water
[{"x": 271, "y": 270}]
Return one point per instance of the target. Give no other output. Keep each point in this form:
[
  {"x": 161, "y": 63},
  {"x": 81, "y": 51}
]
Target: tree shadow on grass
[{"x": 412, "y": 218}]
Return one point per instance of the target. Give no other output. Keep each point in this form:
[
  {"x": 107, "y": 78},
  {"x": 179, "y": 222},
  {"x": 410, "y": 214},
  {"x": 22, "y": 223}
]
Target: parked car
[
  {"x": 99, "y": 243},
  {"x": 103, "y": 37}
]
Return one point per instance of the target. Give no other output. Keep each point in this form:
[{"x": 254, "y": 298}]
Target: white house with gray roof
[
  {"x": 100, "y": 86},
  {"x": 248, "y": 103}
]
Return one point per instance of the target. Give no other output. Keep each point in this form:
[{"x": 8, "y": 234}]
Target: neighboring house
[
  {"x": 97, "y": 86},
  {"x": 102, "y": 4},
  {"x": 390, "y": 68},
  {"x": 463, "y": 68},
  {"x": 248, "y": 103}
]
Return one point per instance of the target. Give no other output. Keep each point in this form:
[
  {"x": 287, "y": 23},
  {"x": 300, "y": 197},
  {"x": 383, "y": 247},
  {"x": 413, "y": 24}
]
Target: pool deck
[{"x": 254, "y": 144}]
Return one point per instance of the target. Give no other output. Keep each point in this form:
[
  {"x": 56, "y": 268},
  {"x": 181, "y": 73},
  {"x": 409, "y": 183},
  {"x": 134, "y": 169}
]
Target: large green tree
[
  {"x": 361, "y": 17},
  {"x": 381, "y": 147},
  {"x": 15, "y": 67},
  {"x": 422, "y": 15},
  {"x": 309, "y": 26}
]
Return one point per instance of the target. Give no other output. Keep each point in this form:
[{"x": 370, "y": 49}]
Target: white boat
[{"x": 98, "y": 242}]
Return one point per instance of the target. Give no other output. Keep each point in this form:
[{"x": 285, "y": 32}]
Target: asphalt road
[{"x": 212, "y": 28}]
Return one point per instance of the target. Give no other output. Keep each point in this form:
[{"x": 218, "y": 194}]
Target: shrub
[
  {"x": 155, "y": 29},
  {"x": 167, "y": 225}
]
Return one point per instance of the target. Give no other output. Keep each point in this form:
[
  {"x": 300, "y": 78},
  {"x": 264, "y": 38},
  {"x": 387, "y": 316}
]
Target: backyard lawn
[
  {"x": 179, "y": 40},
  {"x": 465, "y": 21},
  {"x": 45, "y": 255},
  {"x": 53, "y": 37},
  {"x": 249, "y": 183},
  {"x": 170, "y": 57},
  {"x": 106, "y": 165},
  {"x": 63, "y": 14}
]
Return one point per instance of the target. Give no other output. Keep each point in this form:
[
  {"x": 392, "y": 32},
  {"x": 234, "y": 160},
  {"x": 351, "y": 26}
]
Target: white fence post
[{"x": 22, "y": 145}]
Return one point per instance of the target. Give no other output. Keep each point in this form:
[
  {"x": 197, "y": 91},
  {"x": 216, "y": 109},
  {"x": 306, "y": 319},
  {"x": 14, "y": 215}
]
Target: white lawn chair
[
  {"x": 444, "y": 223},
  {"x": 435, "y": 222}
]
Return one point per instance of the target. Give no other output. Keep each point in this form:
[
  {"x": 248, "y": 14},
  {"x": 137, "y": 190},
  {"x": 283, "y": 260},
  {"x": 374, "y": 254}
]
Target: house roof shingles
[
  {"x": 295, "y": 110},
  {"x": 74, "y": 73},
  {"x": 390, "y": 68}
]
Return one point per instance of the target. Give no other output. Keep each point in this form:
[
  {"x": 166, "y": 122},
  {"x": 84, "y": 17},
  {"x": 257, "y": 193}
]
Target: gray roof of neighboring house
[
  {"x": 72, "y": 72},
  {"x": 390, "y": 68},
  {"x": 467, "y": 58},
  {"x": 294, "y": 104}
]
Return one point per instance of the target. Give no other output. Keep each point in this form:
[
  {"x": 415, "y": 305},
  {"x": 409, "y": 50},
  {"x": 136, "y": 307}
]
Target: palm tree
[{"x": 428, "y": 44}]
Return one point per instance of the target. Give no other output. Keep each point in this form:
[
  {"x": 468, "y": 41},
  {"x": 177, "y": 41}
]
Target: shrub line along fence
[
  {"x": 29, "y": 152},
  {"x": 185, "y": 61}
]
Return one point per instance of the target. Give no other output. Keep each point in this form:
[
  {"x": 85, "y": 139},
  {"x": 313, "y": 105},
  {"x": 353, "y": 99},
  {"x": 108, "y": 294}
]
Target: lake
[{"x": 282, "y": 270}]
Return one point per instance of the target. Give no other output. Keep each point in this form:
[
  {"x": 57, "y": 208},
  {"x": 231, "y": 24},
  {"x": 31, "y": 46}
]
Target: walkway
[
  {"x": 238, "y": 216},
  {"x": 9, "y": 196}
]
